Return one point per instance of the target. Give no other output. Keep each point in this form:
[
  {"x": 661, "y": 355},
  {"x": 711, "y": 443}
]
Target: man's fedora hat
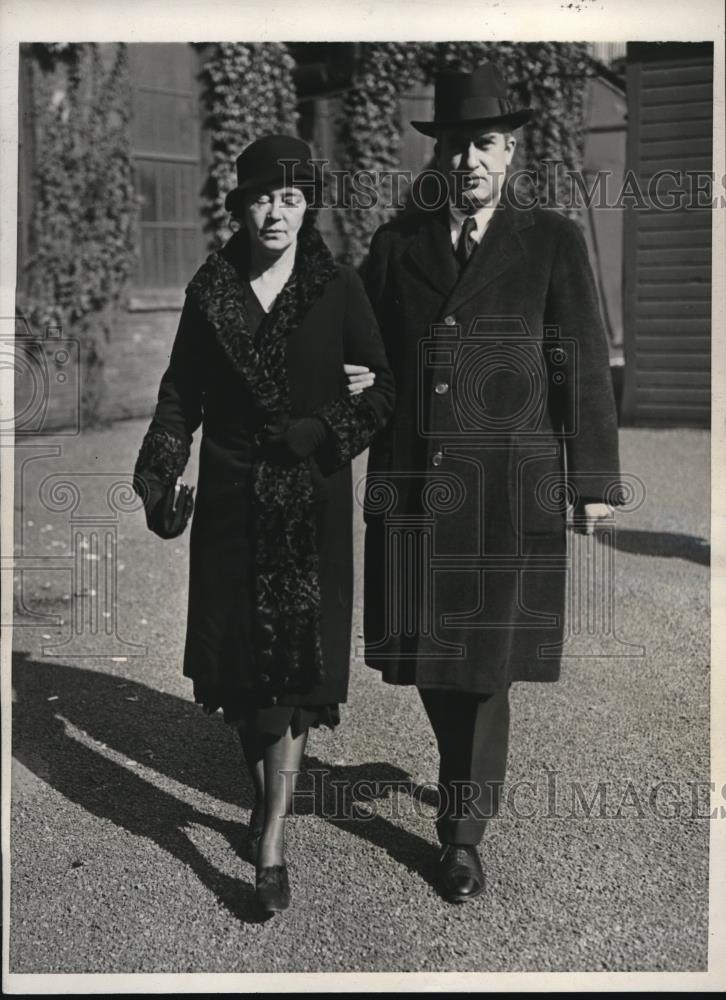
[
  {"x": 477, "y": 99},
  {"x": 273, "y": 159}
]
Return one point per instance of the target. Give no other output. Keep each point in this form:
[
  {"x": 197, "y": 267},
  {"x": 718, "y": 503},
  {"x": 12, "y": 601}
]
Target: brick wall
[
  {"x": 48, "y": 371},
  {"x": 137, "y": 358}
]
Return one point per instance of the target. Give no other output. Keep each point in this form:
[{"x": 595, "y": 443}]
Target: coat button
[
  {"x": 264, "y": 678},
  {"x": 437, "y": 459},
  {"x": 450, "y": 320},
  {"x": 441, "y": 387},
  {"x": 274, "y": 699}
]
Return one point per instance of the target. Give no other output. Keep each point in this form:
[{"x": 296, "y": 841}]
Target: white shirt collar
[{"x": 482, "y": 217}]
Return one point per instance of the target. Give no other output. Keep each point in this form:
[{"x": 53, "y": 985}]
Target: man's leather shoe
[
  {"x": 272, "y": 889},
  {"x": 460, "y": 872}
]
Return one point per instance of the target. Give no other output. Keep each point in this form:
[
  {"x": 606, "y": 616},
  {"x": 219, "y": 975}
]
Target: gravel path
[{"x": 129, "y": 805}]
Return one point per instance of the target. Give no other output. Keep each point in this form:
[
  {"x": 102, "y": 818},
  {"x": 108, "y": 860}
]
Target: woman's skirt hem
[{"x": 275, "y": 720}]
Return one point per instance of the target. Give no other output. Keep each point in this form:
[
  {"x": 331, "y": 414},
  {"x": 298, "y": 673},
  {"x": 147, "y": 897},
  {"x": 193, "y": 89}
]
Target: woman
[{"x": 269, "y": 329}]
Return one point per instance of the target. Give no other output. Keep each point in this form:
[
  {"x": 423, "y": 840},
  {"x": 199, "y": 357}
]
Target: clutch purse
[{"x": 170, "y": 515}]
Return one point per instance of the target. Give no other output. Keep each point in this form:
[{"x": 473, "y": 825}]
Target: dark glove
[
  {"x": 167, "y": 510},
  {"x": 170, "y": 515},
  {"x": 300, "y": 438},
  {"x": 151, "y": 490}
]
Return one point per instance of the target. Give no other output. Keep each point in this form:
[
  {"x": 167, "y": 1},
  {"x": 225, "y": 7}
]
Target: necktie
[{"x": 466, "y": 242}]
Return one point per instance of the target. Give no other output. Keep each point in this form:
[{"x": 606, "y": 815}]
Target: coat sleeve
[
  {"x": 353, "y": 421},
  {"x": 584, "y": 399},
  {"x": 375, "y": 271},
  {"x": 166, "y": 446}
]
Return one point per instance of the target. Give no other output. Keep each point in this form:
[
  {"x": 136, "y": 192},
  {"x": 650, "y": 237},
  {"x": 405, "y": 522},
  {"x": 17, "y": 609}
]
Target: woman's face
[{"x": 273, "y": 216}]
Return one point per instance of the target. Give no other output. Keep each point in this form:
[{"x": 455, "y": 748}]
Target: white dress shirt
[{"x": 482, "y": 217}]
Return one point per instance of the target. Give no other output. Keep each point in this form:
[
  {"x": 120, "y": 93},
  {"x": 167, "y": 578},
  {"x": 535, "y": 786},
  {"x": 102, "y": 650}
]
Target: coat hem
[{"x": 390, "y": 677}]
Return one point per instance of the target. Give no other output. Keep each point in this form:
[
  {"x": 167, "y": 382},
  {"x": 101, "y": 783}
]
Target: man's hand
[
  {"x": 586, "y": 516},
  {"x": 359, "y": 378}
]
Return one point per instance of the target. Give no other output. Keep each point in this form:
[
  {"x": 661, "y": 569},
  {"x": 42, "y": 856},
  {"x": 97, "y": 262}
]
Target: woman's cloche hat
[
  {"x": 477, "y": 99},
  {"x": 273, "y": 158}
]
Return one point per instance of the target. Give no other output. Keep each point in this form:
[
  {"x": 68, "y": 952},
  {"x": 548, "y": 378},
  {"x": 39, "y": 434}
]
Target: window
[{"x": 168, "y": 165}]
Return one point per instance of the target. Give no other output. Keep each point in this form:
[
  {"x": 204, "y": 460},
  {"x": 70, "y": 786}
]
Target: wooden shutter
[{"x": 667, "y": 254}]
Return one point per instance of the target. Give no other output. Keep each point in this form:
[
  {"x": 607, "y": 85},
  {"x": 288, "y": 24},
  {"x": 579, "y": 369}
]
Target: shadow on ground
[
  {"x": 666, "y": 544},
  {"x": 176, "y": 740}
]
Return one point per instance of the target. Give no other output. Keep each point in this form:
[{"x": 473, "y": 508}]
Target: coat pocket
[{"x": 537, "y": 488}]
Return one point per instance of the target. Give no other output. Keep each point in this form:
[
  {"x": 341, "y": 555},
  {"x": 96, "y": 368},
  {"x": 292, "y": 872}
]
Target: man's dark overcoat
[
  {"x": 504, "y": 413},
  {"x": 205, "y": 386}
]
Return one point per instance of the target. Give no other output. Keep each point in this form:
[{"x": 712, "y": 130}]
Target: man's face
[{"x": 479, "y": 160}]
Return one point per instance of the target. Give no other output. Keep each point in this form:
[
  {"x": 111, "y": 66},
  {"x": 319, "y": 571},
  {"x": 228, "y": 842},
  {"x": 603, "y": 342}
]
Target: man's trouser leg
[{"x": 472, "y": 732}]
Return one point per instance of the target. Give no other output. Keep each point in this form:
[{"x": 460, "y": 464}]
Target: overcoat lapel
[
  {"x": 498, "y": 250},
  {"x": 431, "y": 252}
]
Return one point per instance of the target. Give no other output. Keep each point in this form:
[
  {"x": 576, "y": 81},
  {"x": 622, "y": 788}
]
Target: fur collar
[{"x": 217, "y": 289}]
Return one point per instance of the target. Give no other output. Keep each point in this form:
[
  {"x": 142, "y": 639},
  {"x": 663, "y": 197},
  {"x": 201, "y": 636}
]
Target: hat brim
[
  {"x": 306, "y": 182},
  {"x": 515, "y": 119}
]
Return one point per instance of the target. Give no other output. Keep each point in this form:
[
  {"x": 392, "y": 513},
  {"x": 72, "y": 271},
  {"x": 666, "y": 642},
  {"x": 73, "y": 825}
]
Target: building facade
[{"x": 652, "y": 269}]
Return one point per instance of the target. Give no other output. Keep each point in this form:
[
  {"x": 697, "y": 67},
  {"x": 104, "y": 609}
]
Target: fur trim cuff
[
  {"x": 163, "y": 455},
  {"x": 353, "y": 423}
]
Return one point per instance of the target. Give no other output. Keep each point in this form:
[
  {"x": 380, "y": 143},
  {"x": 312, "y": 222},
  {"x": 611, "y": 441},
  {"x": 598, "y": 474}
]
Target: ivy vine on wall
[
  {"x": 549, "y": 77},
  {"x": 248, "y": 91},
  {"x": 82, "y": 232}
]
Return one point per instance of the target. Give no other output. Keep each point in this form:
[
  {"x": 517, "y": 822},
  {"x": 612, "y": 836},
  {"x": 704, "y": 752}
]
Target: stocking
[
  {"x": 253, "y": 749},
  {"x": 282, "y": 761}
]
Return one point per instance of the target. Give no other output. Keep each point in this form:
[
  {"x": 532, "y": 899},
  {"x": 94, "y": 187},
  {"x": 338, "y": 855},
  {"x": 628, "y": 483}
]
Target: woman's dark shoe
[
  {"x": 460, "y": 873},
  {"x": 273, "y": 889},
  {"x": 254, "y": 833}
]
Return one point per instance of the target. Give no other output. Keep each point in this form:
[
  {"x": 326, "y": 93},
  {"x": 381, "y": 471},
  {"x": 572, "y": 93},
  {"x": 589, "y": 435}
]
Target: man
[{"x": 505, "y": 413}]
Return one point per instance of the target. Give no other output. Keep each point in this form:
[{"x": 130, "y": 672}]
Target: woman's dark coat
[
  {"x": 203, "y": 385},
  {"x": 502, "y": 378}
]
